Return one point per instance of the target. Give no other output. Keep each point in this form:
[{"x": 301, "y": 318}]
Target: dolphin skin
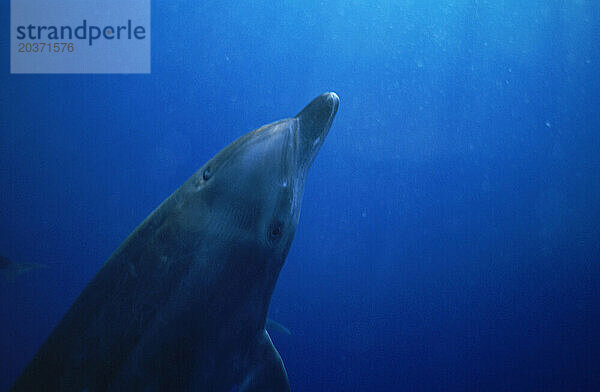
[{"x": 181, "y": 305}]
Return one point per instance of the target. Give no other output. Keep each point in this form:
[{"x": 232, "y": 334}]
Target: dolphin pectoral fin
[
  {"x": 264, "y": 371},
  {"x": 273, "y": 325}
]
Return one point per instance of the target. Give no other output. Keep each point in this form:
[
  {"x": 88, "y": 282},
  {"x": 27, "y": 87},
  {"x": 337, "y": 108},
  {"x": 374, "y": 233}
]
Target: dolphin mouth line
[
  {"x": 335, "y": 101},
  {"x": 334, "y": 97}
]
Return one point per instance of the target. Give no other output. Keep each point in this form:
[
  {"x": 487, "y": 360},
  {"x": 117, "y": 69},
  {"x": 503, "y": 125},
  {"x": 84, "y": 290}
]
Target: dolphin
[
  {"x": 181, "y": 305},
  {"x": 12, "y": 270},
  {"x": 277, "y": 327}
]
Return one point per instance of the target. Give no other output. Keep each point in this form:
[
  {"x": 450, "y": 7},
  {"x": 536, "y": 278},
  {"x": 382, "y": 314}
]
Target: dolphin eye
[
  {"x": 206, "y": 174},
  {"x": 275, "y": 230}
]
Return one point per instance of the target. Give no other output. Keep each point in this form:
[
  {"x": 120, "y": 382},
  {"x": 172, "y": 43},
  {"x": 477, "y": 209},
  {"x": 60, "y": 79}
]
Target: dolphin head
[{"x": 248, "y": 196}]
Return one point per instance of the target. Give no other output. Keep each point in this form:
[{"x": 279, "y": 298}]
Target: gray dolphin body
[{"x": 181, "y": 304}]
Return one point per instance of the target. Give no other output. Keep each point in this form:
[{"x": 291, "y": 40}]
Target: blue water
[{"x": 450, "y": 233}]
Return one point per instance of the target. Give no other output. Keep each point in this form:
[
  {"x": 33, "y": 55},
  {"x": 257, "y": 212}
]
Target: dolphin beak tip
[{"x": 333, "y": 100}]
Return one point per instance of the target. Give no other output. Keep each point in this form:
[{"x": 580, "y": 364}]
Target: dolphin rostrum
[{"x": 181, "y": 305}]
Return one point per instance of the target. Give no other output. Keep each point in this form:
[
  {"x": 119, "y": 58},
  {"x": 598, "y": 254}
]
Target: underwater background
[{"x": 450, "y": 231}]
